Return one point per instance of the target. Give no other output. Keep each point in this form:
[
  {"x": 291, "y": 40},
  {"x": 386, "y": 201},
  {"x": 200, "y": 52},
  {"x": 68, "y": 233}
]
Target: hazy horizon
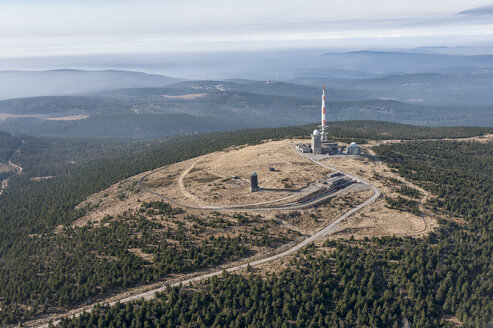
[{"x": 54, "y": 29}]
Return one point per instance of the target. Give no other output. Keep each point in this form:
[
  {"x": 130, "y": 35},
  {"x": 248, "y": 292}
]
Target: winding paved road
[{"x": 319, "y": 235}]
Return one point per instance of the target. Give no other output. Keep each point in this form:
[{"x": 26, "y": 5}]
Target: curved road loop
[
  {"x": 251, "y": 207},
  {"x": 319, "y": 235}
]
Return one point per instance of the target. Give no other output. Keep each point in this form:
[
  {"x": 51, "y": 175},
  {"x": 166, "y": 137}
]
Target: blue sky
[{"x": 71, "y": 27}]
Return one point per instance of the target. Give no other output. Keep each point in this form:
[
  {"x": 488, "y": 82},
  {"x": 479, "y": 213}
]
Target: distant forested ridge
[
  {"x": 20, "y": 84},
  {"x": 43, "y": 269},
  {"x": 378, "y": 130},
  {"x": 204, "y": 106}
]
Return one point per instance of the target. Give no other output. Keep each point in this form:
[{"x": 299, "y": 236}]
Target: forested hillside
[
  {"x": 386, "y": 282},
  {"x": 202, "y": 106},
  {"x": 42, "y": 269},
  {"x": 46, "y": 266},
  {"x": 8, "y": 144}
]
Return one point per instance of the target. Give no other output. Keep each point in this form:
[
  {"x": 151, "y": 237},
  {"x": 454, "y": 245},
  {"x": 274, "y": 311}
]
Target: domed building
[
  {"x": 316, "y": 142},
  {"x": 353, "y": 149}
]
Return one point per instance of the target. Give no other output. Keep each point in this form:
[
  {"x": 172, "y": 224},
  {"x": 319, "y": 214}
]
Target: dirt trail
[{"x": 182, "y": 184}]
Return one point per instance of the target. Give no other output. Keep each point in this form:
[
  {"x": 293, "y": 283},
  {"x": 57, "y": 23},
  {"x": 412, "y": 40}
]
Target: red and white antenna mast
[{"x": 324, "y": 130}]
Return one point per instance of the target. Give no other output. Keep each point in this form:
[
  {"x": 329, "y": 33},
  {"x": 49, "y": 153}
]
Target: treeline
[{"x": 378, "y": 130}]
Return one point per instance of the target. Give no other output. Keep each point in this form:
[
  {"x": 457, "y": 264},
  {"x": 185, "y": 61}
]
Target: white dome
[
  {"x": 316, "y": 132},
  {"x": 353, "y": 145}
]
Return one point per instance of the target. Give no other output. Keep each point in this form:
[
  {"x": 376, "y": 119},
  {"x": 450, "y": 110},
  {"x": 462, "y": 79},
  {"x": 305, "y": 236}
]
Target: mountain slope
[{"x": 475, "y": 87}]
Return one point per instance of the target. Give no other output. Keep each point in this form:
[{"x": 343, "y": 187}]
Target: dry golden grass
[
  {"x": 377, "y": 219},
  {"x": 206, "y": 180}
]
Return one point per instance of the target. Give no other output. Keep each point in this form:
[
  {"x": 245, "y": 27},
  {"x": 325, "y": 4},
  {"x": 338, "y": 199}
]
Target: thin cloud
[
  {"x": 478, "y": 11},
  {"x": 74, "y": 27}
]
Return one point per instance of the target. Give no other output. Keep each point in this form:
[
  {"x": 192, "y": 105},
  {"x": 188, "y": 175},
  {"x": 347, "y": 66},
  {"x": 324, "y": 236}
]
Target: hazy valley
[{"x": 137, "y": 105}]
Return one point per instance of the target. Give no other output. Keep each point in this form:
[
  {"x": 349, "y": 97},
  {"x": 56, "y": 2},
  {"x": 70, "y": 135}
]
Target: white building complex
[{"x": 320, "y": 143}]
